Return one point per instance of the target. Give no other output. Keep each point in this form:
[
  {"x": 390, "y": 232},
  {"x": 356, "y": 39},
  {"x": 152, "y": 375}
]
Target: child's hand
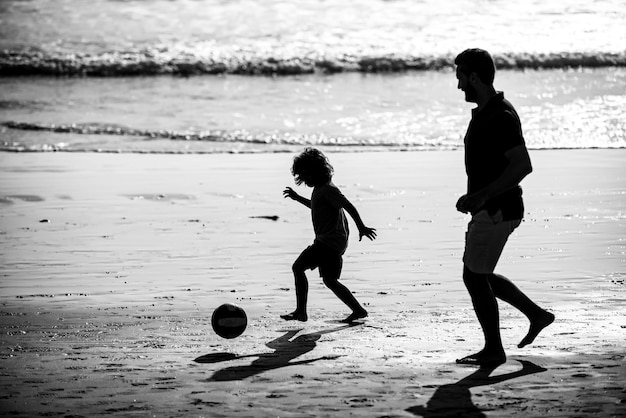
[
  {"x": 290, "y": 193},
  {"x": 367, "y": 232}
]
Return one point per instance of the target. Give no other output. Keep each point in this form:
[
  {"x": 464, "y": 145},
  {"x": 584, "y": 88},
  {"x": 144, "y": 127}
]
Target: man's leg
[
  {"x": 539, "y": 318},
  {"x": 486, "y": 308}
]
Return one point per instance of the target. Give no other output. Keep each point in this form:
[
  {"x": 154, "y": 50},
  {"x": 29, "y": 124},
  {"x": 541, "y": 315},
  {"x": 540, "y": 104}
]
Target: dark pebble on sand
[{"x": 271, "y": 218}]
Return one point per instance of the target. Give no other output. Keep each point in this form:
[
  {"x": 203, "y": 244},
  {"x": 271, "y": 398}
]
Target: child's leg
[
  {"x": 302, "y": 287},
  {"x": 330, "y": 274}
]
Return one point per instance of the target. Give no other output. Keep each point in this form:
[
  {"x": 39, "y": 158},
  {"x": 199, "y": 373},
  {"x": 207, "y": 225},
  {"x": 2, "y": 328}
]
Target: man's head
[{"x": 475, "y": 70}]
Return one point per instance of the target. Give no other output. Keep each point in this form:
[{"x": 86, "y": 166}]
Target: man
[{"x": 496, "y": 161}]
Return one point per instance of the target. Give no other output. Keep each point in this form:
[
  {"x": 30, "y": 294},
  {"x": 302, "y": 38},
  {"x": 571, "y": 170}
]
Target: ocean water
[{"x": 205, "y": 76}]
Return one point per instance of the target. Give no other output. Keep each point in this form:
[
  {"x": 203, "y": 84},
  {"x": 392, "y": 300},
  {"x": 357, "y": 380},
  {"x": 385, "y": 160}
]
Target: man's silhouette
[{"x": 496, "y": 161}]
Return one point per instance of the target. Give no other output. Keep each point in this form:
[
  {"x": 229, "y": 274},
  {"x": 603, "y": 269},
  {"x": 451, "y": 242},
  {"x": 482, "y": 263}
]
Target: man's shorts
[
  {"x": 318, "y": 255},
  {"x": 485, "y": 239}
]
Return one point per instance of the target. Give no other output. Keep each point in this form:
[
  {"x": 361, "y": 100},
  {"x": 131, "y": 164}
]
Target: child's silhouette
[{"x": 327, "y": 206}]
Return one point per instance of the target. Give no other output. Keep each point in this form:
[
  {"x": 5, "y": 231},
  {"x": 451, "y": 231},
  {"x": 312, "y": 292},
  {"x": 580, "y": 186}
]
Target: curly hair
[{"x": 314, "y": 163}]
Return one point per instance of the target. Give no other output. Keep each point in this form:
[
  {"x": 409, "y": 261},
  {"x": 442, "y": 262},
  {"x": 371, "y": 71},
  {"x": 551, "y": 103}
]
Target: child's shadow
[
  {"x": 455, "y": 399},
  {"x": 285, "y": 348}
]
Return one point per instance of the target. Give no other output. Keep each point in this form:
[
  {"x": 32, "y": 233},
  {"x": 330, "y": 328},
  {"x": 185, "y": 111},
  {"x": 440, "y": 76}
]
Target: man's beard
[{"x": 470, "y": 94}]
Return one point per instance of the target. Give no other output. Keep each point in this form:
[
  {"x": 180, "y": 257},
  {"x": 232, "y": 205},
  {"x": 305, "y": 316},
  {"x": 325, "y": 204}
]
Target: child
[{"x": 327, "y": 205}]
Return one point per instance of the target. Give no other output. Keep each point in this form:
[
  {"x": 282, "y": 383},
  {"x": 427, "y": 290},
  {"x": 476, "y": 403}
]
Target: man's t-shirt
[
  {"x": 329, "y": 220},
  {"x": 492, "y": 132}
]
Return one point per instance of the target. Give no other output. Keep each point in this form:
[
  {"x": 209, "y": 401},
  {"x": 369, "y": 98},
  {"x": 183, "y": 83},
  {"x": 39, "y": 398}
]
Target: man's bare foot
[
  {"x": 536, "y": 326},
  {"x": 354, "y": 316},
  {"x": 483, "y": 358},
  {"x": 295, "y": 316}
]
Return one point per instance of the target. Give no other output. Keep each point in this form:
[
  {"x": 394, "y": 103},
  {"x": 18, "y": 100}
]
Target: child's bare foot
[
  {"x": 295, "y": 316},
  {"x": 355, "y": 315},
  {"x": 483, "y": 358},
  {"x": 536, "y": 326}
]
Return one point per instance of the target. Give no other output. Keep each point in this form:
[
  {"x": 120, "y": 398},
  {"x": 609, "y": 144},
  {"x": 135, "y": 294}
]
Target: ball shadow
[{"x": 286, "y": 348}]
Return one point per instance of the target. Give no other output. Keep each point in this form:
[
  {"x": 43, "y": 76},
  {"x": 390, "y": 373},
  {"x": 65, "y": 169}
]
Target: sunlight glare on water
[
  {"x": 242, "y": 75},
  {"x": 316, "y": 27},
  {"x": 421, "y": 110}
]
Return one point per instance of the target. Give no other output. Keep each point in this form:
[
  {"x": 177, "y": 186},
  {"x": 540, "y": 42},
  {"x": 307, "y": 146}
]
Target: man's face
[{"x": 466, "y": 86}]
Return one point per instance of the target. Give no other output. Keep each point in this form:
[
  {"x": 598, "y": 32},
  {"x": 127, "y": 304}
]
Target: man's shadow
[
  {"x": 285, "y": 350},
  {"x": 455, "y": 399}
]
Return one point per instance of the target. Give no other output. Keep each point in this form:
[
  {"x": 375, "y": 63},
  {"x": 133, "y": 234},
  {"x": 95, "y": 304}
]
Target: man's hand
[
  {"x": 365, "y": 231},
  {"x": 460, "y": 204},
  {"x": 471, "y": 203},
  {"x": 290, "y": 193}
]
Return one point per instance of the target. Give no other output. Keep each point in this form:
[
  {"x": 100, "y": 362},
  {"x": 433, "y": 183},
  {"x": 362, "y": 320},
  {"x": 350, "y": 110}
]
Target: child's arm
[
  {"x": 290, "y": 193},
  {"x": 363, "y": 230}
]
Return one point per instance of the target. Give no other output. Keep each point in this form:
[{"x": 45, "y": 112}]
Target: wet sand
[{"x": 112, "y": 265}]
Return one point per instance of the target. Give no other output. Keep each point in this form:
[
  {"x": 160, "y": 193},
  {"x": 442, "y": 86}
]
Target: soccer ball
[{"x": 229, "y": 321}]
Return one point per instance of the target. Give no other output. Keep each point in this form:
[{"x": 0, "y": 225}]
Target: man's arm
[{"x": 518, "y": 168}]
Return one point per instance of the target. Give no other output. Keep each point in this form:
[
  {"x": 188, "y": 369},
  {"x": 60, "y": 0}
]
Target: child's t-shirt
[{"x": 329, "y": 219}]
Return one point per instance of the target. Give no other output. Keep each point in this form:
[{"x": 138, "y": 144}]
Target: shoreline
[
  {"x": 106, "y": 306},
  {"x": 294, "y": 149}
]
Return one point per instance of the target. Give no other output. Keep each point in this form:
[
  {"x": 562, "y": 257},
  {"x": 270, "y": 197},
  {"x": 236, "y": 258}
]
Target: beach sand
[{"x": 112, "y": 265}]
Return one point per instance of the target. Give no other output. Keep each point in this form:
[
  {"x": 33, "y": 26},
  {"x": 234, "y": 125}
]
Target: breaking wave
[{"x": 162, "y": 61}]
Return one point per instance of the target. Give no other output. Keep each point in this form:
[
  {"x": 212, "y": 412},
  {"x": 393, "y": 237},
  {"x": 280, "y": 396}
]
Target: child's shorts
[
  {"x": 328, "y": 261},
  {"x": 485, "y": 239}
]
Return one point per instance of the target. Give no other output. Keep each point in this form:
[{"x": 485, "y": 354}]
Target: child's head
[{"x": 312, "y": 168}]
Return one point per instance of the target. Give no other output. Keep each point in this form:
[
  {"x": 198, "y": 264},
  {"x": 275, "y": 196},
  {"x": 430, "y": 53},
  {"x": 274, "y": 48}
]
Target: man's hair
[
  {"x": 479, "y": 61},
  {"x": 314, "y": 162}
]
